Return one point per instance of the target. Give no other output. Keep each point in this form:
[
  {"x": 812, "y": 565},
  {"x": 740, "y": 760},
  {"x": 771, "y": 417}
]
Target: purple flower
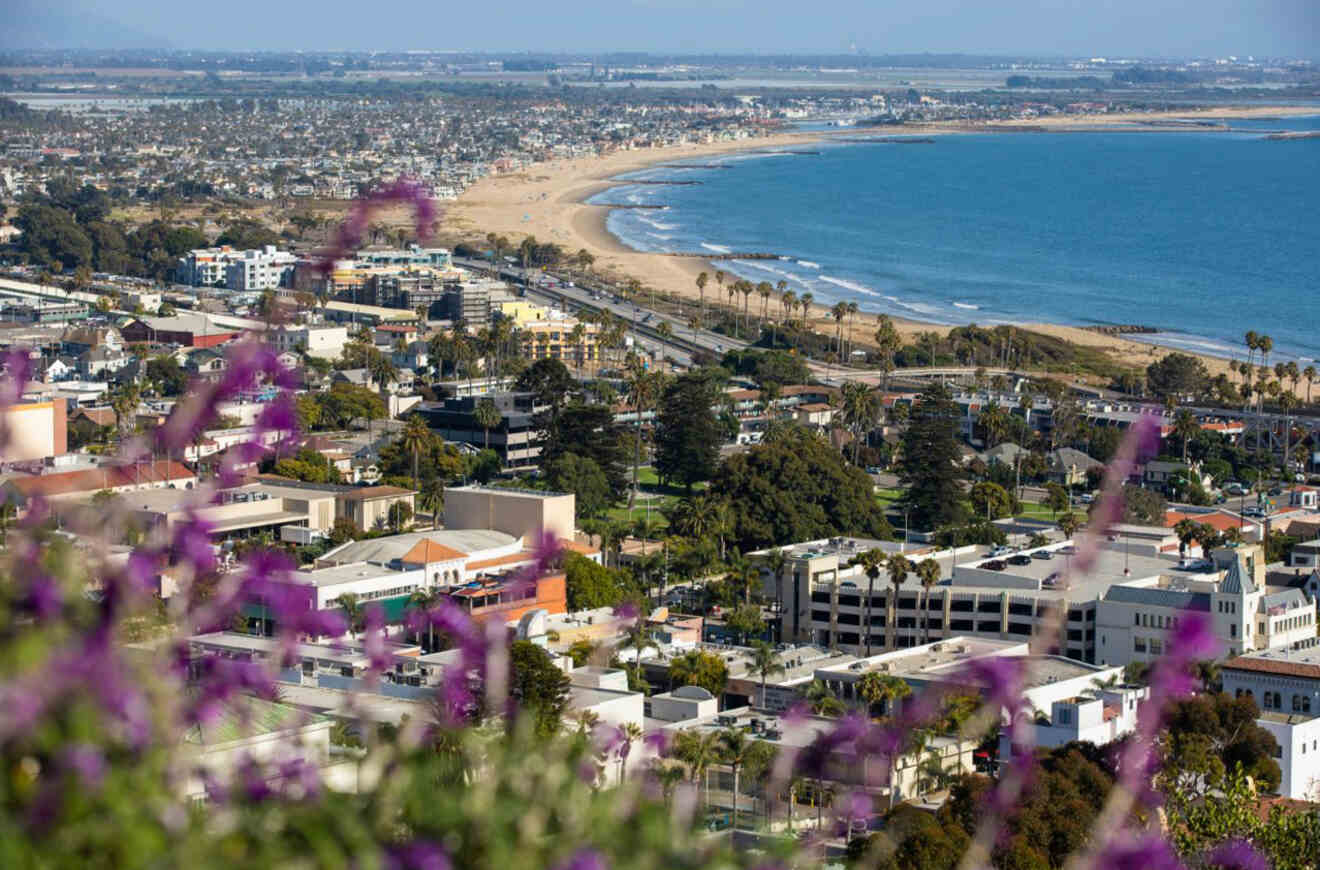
[
  {"x": 1002, "y": 678},
  {"x": 1236, "y": 855},
  {"x": 584, "y": 859},
  {"x": 44, "y": 598},
  {"x": 417, "y": 855},
  {"x": 1148, "y": 852},
  {"x": 86, "y": 761}
]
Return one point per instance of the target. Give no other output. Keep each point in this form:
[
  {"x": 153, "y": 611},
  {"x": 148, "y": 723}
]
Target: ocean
[{"x": 1200, "y": 235}]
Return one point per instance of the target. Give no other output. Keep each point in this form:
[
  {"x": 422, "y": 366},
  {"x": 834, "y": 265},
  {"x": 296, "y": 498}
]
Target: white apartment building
[
  {"x": 250, "y": 270},
  {"x": 326, "y": 342},
  {"x": 263, "y": 269}
]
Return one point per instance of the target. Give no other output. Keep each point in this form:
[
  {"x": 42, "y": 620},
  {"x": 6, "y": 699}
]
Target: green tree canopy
[
  {"x": 581, "y": 476},
  {"x": 929, "y": 464},
  {"x": 1177, "y": 375},
  {"x": 538, "y": 685},
  {"x": 688, "y": 435},
  {"x": 699, "y": 668},
  {"x": 590, "y": 585},
  {"x": 797, "y": 488}
]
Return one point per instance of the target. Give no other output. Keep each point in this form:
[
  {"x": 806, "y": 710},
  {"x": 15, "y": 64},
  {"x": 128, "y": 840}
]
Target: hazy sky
[{"x": 1056, "y": 27}]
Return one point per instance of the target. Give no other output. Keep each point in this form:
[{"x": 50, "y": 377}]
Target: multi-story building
[
  {"x": 1109, "y": 616},
  {"x": 514, "y": 438},
  {"x": 253, "y": 269},
  {"x": 264, "y": 269},
  {"x": 573, "y": 342},
  {"x": 1285, "y": 684},
  {"x": 326, "y": 342},
  {"x": 1133, "y": 620}
]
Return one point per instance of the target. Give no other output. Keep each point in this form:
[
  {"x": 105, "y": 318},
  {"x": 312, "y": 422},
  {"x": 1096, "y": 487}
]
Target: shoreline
[{"x": 548, "y": 200}]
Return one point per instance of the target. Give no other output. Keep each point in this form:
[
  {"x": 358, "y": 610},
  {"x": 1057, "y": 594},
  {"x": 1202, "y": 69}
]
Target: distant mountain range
[{"x": 52, "y": 24}]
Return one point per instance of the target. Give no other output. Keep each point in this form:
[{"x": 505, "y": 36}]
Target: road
[{"x": 681, "y": 345}]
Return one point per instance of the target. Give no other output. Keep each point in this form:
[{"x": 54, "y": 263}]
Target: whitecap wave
[
  {"x": 850, "y": 285},
  {"x": 969, "y": 306},
  {"x": 719, "y": 249},
  {"x": 808, "y": 264}
]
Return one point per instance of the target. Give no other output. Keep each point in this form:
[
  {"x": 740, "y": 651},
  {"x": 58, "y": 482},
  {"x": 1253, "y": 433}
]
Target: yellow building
[{"x": 567, "y": 339}]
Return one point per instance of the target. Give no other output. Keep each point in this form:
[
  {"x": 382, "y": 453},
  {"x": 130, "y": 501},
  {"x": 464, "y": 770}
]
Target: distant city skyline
[{"x": 1045, "y": 28}]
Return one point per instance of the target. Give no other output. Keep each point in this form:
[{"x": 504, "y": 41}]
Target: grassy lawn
[
  {"x": 637, "y": 513},
  {"x": 1034, "y": 511},
  {"x": 887, "y": 497}
]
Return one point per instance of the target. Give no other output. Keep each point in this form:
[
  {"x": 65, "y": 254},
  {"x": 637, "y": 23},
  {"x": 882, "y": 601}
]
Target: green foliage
[
  {"x": 590, "y": 585},
  {"x": 538, "y": 685},
  {"x": 342, "y": 404},
  {"x": 699, "y": 668},
  {"x": 549, "y": 380},
  {"x": 767, "y": 366},
  {"x": 1211, "y": 734},
  {"x": 245, "y": 234},
  {"x": 992, "y": 500},
  {"x": 1142, "y": 506},
  {"x": 168, "y": 376},
  {"x": 1177, "y": 375},
  {"x": 688, "y": 435},
  {"x": 929, "y": 465},
  {"x": 912, "y": 839},
  {"x": 1288, "y": 838},
  {"x": 569, "y": 472},
  {"x": 309, "y": 465},
  {"x": 797, "y": 488},
  {"x": 746, "y": 621},
  {"x": 589, "y": 432}
]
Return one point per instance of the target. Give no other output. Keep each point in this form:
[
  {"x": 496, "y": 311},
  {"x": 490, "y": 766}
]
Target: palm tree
[
  {"x": 852, "y": 315},
  {"x": 487, "y": 416},
  {"x": 875, "y": 688},
  {"x": 702, "y": 280},
  {"x": 425, "y": 598},
  {"x": 348, "y": 602},
  {"x": 928, "y": 572},
  {"x": 643, "y": 388},
  {"x": 898, "y": 566},
  {"x": 432, "y": 497},
  {"x": 697, "y": 751},
  {"x": 765, "y": 290},
  {"x": 860, "y": 407},
  {"x": 764, "y": 662},
  {"x": 805, "y": 304},
  {"x": 788, "y": 301},
  {"x": 871, "y": 562},
  {"x": 821, "y": 700},
  {"x": 1309, "y": 374},
  {"x": 838, "y": 312},
  {"x": 1186, "y": 428},
  {"x": 774, "y": 563},
  {"x": 415, "y": 438},
  {"x": 889, "y": 343},
  {"x": 629, "y": 733},
  {"x": 1069, "y": 523},
  {"x": 734, "y": 748},
  {"x": 742, "y": 573}
]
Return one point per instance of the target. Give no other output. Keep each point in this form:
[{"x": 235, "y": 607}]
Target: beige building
[
  {"x": 34, "y": 430},
  {"x": 560, "y": 338},
  {"x": 523, "y": 513}
]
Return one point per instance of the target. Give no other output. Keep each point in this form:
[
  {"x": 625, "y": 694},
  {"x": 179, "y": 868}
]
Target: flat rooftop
[
  {"x": 919, "y": 660},
  {"x": 1108, "y": 570},
  {"x": 1286, "y": 718},
  {"x": 845, "y": 548},
  {"x": 346, "y": 573},
  {"x": 266, "y": 646}
]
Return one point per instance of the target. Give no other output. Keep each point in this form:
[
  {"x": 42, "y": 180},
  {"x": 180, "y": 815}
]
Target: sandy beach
[{"x": 547, "y": 200}]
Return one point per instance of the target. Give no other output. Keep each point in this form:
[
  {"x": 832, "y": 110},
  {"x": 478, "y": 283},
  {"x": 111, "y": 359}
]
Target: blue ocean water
[{"x": 1202, "y": 235}]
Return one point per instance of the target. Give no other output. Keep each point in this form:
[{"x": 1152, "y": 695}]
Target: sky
[{"x": 1147, "y": 28}]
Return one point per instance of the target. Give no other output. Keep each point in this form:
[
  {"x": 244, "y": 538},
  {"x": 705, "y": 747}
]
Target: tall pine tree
[{"x": 929, "y": 465}]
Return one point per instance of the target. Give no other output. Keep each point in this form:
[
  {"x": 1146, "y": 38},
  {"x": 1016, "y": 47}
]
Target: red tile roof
[
  {"x": 1270, "y": 666},
  {"x": 95, "y": 479},
  {"x": 427, "y": 551}
]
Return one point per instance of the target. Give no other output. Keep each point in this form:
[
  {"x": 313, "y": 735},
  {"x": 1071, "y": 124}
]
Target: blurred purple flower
[
  {"x": 1236, "y": 855},
  {"x": 1125, "y": 851},
  {"x": 353, "y": 230},
  {"x": 417, "y": 855},
  {"x": 86, "y": 761},
  {"x": 584, "y": 859}
]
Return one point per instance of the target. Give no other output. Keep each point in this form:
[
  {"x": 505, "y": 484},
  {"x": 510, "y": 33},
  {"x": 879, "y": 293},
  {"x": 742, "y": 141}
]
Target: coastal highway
[{"x": 682, "y": 345}]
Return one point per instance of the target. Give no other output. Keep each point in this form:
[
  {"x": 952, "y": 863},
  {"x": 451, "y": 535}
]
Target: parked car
[
  {"x": 994, "y": 565},
  {"x": 1043, "y": 554},
  {"x": 1019, "y": 559},
  {"x": 1232, "y": 487},
  {"x": 999, "y": 550}
]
